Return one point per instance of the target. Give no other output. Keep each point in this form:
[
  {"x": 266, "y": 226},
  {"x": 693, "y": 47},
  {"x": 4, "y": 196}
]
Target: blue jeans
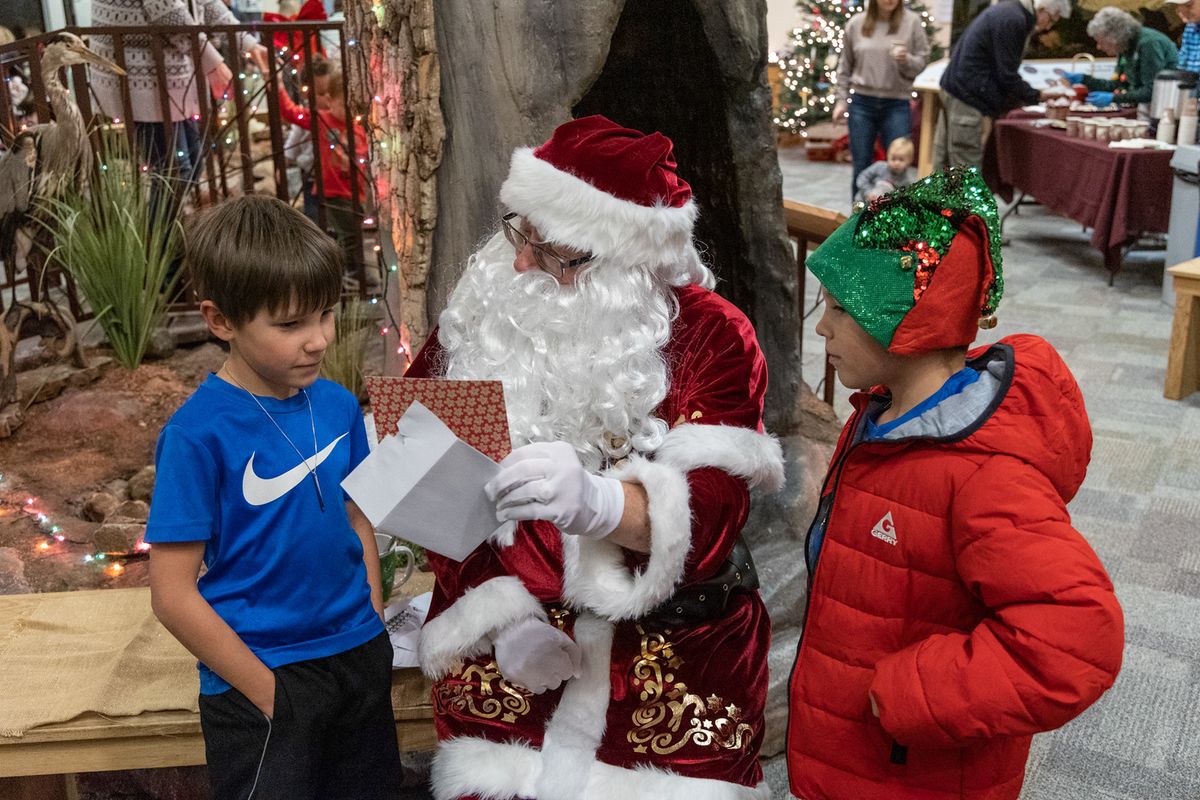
[
  {"x": 185, "y": 142},
  {"x": 871, "y": 118}
]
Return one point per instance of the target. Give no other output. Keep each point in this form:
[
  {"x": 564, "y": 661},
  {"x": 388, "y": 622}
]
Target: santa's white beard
[{"x": 580, "y": 364}]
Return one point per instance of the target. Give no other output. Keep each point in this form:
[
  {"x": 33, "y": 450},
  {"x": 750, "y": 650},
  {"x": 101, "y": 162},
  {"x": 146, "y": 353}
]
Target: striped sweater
[{"x": 182, "y": 78}]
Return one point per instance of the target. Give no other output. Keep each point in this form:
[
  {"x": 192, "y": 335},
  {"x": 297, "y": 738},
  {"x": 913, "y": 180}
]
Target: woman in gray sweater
[
  {"x": 883, "y": 49},
  {"x": 164, "y": 132}
]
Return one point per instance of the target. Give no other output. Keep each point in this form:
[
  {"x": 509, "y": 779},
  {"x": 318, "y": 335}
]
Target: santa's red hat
[{"x": 606, "y": 190}]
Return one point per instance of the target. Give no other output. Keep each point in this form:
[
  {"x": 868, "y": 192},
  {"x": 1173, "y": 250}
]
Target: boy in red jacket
[{"x": 953, "y": 611}]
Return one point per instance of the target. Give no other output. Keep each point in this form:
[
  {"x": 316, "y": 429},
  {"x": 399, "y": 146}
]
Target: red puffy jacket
[{"x": 952, "y": 587}]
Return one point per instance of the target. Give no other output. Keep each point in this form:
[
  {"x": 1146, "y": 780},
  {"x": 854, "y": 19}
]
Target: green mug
[{"x": 393, "y": 552}]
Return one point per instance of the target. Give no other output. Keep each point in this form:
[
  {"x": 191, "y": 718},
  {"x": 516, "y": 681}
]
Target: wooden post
[
  {"x": 931, "y": 104},
  {"x": 1183, "y": 361}
]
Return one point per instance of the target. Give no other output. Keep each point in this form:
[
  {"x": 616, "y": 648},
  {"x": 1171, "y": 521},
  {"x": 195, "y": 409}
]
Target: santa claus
[{"x": 609, "y": 641}]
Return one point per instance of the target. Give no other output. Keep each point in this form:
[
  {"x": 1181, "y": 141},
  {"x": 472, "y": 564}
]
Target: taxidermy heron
[{"x": 62, "y": 153}]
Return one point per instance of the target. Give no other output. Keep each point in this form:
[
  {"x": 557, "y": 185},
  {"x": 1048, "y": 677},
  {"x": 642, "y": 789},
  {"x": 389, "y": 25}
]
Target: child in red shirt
[{"x": 330, "y": 130}]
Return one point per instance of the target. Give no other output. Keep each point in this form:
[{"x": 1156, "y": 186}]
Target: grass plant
[
  {"x": 119, "y": 241},
  {"x": 344, "y": 357}
]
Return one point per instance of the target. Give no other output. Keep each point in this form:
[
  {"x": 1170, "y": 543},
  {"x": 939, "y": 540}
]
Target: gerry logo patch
[{"x": 885, "y": 529}]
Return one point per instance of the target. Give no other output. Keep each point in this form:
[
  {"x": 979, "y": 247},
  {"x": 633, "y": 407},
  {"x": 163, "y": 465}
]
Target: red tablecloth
[{"x": 1119, "y": 194}]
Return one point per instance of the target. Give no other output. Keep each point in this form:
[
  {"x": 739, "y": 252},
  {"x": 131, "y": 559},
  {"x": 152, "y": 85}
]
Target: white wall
[{"x": 781, "y": 18}]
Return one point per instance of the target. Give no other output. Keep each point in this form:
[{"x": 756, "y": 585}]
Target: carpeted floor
[{"x": 1139, "y": 508}]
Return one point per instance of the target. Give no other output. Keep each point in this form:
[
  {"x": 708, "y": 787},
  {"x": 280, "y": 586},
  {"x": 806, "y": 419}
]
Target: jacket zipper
[
  {"x": 834, "y": 476},
  {"x": 899, "y": 753}
]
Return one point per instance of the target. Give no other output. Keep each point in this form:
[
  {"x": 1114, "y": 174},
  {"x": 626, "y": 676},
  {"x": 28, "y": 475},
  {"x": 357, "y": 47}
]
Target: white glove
[
  {"x": 545, "y": 481},
  {"x": 536, "y": 655}
]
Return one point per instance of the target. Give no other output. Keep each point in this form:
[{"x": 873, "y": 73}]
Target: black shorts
[{"x": 333, "y": 736}]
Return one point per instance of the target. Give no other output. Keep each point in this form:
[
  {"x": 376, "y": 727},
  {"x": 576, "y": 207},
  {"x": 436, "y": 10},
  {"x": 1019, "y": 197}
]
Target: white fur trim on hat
[
  {"x": 466, "y": 628},
  {"x": 570, "y": 211}
]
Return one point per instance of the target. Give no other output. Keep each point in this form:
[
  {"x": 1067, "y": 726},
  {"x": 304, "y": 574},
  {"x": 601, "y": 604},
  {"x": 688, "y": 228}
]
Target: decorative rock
[
  {"x": 45, "y": 383},
  {"x": 118, "y": 489},
  {"x": 118, "y": 537},
  {"x": 130, "y": 511},
  {"x": 99, "y": 506},
  {"x": 161, "y": 344},
  {"x": 141, "y": 485},
  {"x": 12, "y": 573},
  {"x": 10, "y": 419}
]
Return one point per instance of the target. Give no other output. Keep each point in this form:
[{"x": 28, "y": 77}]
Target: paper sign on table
[
  {"x": 473, "y": 410},
  {"x": 403, "y": 620},
  {"x": 425, "y": 485}
]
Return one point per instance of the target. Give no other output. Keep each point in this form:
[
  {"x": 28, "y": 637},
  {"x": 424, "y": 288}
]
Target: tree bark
[{"x": 395, "y": 85}]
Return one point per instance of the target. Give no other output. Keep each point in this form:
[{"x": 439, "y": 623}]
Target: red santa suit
[{"x": 659, "y": 708}]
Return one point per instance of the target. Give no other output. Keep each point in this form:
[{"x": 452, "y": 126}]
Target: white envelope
[{"x": 425, "y": 485}]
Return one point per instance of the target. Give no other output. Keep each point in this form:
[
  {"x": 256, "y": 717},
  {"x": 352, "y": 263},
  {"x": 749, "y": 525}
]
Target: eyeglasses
[{"x": 546, "y": 259}]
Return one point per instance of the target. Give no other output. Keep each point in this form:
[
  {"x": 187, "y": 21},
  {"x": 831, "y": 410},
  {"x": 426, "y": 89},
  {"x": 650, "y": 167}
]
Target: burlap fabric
[{"x": 66, "y": 654}]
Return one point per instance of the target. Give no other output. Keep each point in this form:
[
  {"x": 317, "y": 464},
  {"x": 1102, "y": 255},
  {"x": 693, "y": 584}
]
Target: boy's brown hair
[{"x": 256, "y": 252}]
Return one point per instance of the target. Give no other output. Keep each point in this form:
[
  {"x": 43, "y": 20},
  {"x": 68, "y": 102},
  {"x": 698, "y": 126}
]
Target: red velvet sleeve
[
  {"x": 697, "y": 481},
  {"x": 721, "y": 379}
]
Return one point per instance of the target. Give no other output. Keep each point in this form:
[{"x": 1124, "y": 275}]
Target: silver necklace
[{"x": 312, "y": 470}]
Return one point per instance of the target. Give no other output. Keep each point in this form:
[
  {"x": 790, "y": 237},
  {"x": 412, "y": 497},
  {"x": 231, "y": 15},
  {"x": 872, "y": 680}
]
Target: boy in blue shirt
[{"x": 295, "y": 665}]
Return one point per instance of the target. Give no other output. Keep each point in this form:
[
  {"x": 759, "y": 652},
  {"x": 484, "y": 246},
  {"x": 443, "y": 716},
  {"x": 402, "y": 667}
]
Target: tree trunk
[{"x": 394, "y": 84}]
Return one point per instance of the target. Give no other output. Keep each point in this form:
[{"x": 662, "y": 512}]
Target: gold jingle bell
[{"x": 988, "y": 322}]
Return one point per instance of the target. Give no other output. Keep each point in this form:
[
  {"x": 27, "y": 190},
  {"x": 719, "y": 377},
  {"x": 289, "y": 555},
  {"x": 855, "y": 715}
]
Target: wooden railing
[
  {"x": 227, "y": 166},
  {"x": 808, "y": 226}
]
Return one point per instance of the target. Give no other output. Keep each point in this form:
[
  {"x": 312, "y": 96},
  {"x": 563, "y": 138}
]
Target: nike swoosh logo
[{"x": 260, "y": 491}]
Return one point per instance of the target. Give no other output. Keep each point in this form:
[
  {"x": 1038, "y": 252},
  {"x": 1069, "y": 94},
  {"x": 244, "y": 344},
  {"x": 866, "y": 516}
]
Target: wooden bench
[
  {"x": 41, "y": 765},
  {"x": 1183, "y": 360}
]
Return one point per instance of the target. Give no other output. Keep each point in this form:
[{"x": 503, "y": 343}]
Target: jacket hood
[{"x": 1026, "y": 405}]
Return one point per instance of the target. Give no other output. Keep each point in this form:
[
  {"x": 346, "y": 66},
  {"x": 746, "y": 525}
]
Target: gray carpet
[{"x": 1139, "y": 508}]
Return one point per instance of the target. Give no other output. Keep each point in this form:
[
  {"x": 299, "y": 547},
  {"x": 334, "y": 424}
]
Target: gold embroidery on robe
[
  {"x": 695, "y": 416},
  {"x": 485, "y": 694},
  {"x": 670, "y": 716}
]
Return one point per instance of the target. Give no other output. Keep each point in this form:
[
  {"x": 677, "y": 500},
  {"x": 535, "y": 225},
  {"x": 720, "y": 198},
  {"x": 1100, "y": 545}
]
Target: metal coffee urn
[{"x": 1170, "y": 86}]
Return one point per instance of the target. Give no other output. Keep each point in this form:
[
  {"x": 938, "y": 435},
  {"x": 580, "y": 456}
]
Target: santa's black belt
[{"x": 697, "y": 602}]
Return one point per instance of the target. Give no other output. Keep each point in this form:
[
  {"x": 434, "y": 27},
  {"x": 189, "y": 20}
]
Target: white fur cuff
[
  {"x": 594, "y": 573},
  {"x": 465, "y": 629},
  {"x": 755, "y": 457}
]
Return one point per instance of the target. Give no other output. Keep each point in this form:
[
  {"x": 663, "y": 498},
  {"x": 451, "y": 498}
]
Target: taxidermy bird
[{"x": 62, "y": 153}]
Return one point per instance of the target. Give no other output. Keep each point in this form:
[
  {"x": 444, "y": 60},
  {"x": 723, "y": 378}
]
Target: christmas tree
[{"x": 808, "y": 65}]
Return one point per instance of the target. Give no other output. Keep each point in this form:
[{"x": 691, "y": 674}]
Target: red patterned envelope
[{"x": 473, "y": 410}]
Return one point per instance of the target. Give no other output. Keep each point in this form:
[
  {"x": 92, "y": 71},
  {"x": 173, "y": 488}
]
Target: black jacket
[{"x": 983, "y": 65}]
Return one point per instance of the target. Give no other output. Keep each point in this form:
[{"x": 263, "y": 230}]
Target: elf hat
[
  {"x": 919, "y": 269},
  {"x": 606, "y": 190}
]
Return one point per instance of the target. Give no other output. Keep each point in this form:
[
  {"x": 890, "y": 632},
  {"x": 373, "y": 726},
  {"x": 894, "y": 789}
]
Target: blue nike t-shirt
[{"x": 287, "y": 576}]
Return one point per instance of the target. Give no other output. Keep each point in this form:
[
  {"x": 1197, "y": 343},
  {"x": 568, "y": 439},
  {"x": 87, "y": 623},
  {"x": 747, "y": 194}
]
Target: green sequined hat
[{"x": 920, "y": 268}]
